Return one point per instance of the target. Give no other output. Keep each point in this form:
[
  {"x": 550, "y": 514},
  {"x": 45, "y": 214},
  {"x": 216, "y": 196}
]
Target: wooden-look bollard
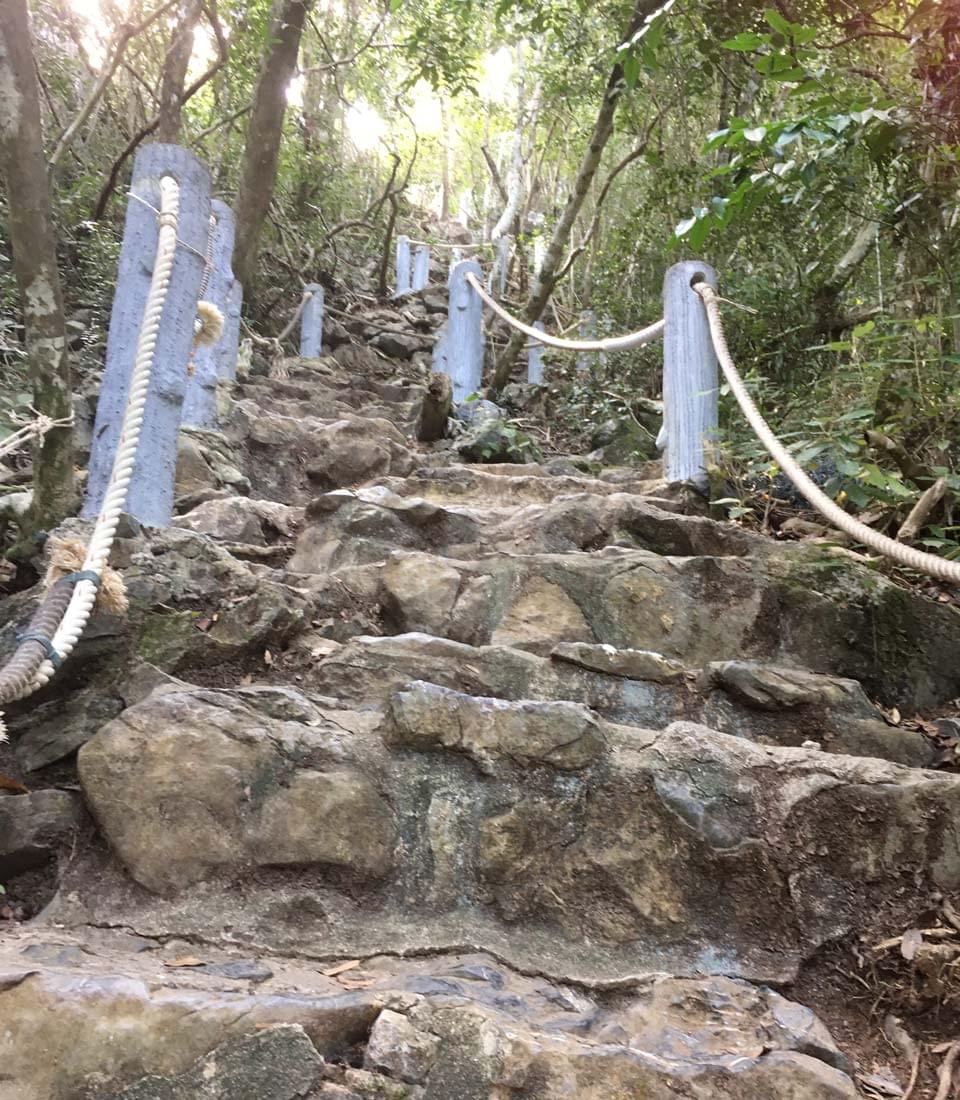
[
  {"x": 150, "y": 493},
  {"x": 311, "y": 322},
  {"x": 459, "y": 349},
  {"x": 690, "y": 375},
  {"x": 207, "y": 365}
]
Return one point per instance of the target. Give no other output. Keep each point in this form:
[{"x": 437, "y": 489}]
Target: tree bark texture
[
  {"x": 264, "y": 131},
  {"x": 174, "y": 76},
  {"x": 30, "y": 224},
  {"x": 546, "y": 278}
]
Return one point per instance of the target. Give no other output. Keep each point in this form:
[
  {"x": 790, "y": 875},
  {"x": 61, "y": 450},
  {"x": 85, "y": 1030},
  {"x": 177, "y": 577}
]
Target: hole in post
[{"x": 697, "y": 277}]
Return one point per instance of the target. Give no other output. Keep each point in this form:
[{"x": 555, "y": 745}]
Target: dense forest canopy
[{"x": 805, "y": 149}]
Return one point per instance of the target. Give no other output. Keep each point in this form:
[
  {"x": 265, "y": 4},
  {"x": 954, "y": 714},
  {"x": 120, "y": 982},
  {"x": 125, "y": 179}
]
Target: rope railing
[
  {"x": 907, "y": 556},
  {"x": 58, "y": 624},
  {"x": 611, "y": 343}
]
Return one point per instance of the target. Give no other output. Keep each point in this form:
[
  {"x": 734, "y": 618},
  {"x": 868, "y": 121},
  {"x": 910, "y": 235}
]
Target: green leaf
[
  {"x": 744, "y": 42},
  {"x": 776, "y": 20},
  {"x": 631, "y": 70},
  {"x": 756, "y": 135}
]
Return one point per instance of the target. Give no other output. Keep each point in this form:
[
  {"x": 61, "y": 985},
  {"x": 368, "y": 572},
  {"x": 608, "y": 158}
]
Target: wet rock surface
[{"x": 451, "y": 1025}]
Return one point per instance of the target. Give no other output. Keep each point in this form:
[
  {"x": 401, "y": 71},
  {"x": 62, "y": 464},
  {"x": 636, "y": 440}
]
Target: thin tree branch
[
  {"x": 604, "y": 191},
  {"x": 336, "y": 63},
  {"x": 220, "y": 123},
  {"x": 145, "y": 131},
  {"x": 125, "y": 33}
]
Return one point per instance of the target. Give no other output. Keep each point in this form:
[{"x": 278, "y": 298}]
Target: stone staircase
[{"x": 410, "y": 778}]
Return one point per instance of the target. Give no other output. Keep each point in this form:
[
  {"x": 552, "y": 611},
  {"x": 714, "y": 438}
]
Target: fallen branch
[
  {"x": 921, "y": 511},
  {"x": 945, "y": 1076},
  {"x": 907, "y": 464}
]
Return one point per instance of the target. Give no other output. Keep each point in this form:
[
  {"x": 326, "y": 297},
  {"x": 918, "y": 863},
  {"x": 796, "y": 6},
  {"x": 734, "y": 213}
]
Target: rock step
[
  {"x": 763, "y": 702},
  {"x": 563, "y": 843},
  {"x": 348, "y": 526},
  {"x": 109, "y": 1007},
  {"x": 800, "y": 606}
]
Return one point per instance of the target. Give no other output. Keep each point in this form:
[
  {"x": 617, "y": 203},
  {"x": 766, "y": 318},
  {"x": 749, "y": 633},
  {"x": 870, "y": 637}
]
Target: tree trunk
[
  {"x": 264, "y": 132},
  {"x": 30, "y": 221},
  {"x": 174, "y": 76},
  {"x": 546, "y": 278}
]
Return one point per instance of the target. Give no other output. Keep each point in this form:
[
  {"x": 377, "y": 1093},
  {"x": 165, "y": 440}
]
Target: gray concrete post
[
  {"x": 606, "y": 329},
  {"x": 403, "y": 266},
  {"x": 535, "y": 358},
  {"x": 690, "y": 375},
  {"x": 539, "y": 254},
  {"x": 587, "y": 331},
  {"x": 230, "y": 344},
  {"x": 421, "y": 267},
  {"x": 456, "y": 255},
  {"x": 150, "y": 494},
  {"x": 461, "y": 354},
  {"x": 311, "y": 323},
  {"x": 200, "y": 399},
  {"x": 503, "y": 263}
]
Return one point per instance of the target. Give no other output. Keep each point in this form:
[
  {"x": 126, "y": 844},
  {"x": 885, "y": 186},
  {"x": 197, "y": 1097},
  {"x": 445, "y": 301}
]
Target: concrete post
[
  {"x": 421, "y": 267},
  {"x": 456, "y": 255},
  {"x": 535, "y": 358},
  {"x": 606, "y": 329},
  {"x": 230, "y": 344},
  {"x": 588, "y": 331},
  {"x": 150, "y": 494},
  {"x": 403, "y": 266},
  {"x": 311, "y": 323},
  {"x": 503, "y": 263},
  {"x": 200, "y": 399},
  {"x": 460, "y": 352},
  {"x": 539, "y": 254},
  {"x": 690, "y": 375}
]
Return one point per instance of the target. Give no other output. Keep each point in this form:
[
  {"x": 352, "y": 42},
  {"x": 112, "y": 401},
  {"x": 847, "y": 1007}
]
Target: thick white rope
[
  {"x": 611, "y": 343},
  {"x": 896, "y": 551},
  {"x": 101, "y": 540}
]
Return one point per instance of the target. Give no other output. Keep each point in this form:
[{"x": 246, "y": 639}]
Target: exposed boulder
[
  {"x": 192, "y": 604},
  {"x": 633, "y": 664},
  {"x": 561, "y": 735},
  {"x": 187, "y": 784},
  {"x": 277, "y": 1064},
  {"x": 399, "y": 1049},
  {"x": 242, "y": 520},
  {"x": 33, "y": 827}
]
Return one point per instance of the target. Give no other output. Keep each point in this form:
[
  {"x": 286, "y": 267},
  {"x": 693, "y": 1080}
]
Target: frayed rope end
[
  {"x": 67, "y": 556},
  {"x": 209, "y": 324}
]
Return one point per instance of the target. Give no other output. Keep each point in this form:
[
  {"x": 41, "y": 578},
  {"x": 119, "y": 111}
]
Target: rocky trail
[{"x": 417, "y": 778}]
